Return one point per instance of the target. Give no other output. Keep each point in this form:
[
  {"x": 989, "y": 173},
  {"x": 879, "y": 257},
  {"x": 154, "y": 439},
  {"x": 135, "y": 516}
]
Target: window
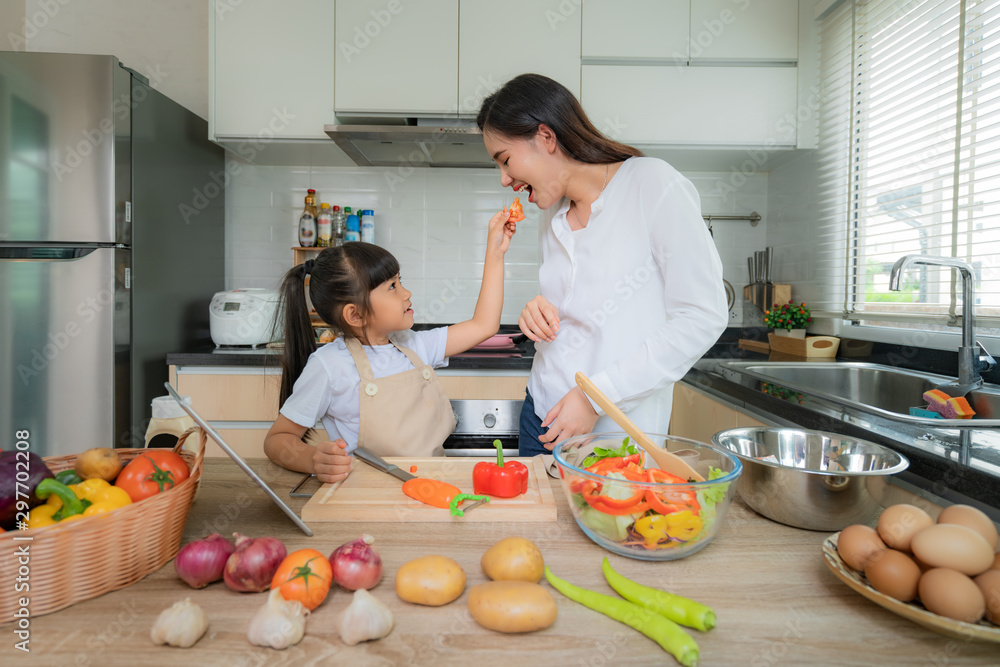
[{"x": 910, "y": 156}]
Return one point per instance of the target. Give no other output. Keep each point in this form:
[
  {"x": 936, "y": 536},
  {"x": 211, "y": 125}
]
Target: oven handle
[{"x": 479, "y": 453}]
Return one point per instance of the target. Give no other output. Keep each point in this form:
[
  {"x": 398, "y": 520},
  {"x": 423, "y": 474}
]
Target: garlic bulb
[
  {"x": 365, "y": 618},
  {"x": 180, "y": 625},
  {"x": 279, "y": 624}
]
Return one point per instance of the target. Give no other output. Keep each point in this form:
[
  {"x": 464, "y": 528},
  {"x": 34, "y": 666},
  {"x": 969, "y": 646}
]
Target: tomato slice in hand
[{"x": 152, "y": 472}]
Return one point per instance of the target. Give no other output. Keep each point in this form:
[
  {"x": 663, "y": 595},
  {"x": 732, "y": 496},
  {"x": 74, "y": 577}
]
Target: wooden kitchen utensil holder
[
  {"x": 95, "y": 555},
  {"x": 811, "y": 346},
  {"x": 770, "y": 294}
]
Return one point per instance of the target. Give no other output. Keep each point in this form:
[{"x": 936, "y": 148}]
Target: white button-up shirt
[{"x": 639, "y": 292}]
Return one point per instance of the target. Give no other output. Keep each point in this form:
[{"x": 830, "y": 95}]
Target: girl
[
  {"x": 374, "y": 385},
  {"x": 631, "y": 283}
]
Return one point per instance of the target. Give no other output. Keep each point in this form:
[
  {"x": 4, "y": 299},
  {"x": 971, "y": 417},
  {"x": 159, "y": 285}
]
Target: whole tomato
[
  {"x": 305, "y": 576},
  {"x": 152, "y": 472}
]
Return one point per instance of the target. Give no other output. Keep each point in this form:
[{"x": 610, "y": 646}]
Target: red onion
[
  {"x": 201, "y": 562},
  {"x": 253, "y": 564},
  {"x": 356, "y": 564}
]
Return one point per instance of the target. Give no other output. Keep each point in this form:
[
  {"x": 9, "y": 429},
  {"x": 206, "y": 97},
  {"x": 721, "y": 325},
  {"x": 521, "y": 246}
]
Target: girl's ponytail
[{"x": 299, "y": 338}]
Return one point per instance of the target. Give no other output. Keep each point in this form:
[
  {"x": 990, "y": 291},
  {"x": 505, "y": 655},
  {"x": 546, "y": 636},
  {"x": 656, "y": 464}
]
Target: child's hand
[
  {"x": 501, "y": 231},
  {"x": 331, "y": 462}
]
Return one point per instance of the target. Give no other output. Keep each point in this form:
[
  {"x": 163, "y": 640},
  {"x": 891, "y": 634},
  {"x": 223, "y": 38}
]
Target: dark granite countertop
[
  {"x": 208, "y": 354},
  {"x": 933, "y": 453}
]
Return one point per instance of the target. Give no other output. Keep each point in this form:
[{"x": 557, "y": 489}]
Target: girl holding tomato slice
[
  {"x": 631, "y": 282},
  {"x": 373, "y": 386}
]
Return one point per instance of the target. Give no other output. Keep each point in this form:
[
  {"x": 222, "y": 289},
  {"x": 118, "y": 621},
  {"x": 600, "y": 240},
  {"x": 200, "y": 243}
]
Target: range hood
[{"x": 413, "y": 143}]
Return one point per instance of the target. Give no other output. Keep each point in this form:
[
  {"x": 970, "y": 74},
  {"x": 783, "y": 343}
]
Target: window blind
[{"x": 910, "y": 154}]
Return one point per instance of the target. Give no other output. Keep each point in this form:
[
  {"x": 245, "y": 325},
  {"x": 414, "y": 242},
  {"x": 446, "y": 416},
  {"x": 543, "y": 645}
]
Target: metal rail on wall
[{"x": 753, "y": 218}]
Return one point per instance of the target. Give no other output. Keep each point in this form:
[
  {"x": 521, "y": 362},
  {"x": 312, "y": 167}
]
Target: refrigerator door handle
[{"x": 45, "y": 253}]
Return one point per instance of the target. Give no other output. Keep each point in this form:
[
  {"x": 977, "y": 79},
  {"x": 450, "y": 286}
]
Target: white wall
[
  {"x": 164, "y": 40},
  {"x": 435, "y": 224}
]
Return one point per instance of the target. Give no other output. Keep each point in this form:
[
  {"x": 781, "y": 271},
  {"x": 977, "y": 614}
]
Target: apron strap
[
  {"x": 360, "y": 360},
  {"x": 411, "y": 355}
]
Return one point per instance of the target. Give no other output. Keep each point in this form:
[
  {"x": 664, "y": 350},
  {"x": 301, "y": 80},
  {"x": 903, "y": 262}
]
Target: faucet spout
[{"x": 970, "y": 360}]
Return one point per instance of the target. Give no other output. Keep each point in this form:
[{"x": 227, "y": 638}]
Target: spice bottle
[
  {"x": 324, "y": 226},
  {"x": 307, "y": 222}
]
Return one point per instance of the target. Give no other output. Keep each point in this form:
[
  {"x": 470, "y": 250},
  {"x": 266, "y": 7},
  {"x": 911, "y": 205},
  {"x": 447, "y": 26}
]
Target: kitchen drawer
[
  {"x": 485, "y": 387},
  {"x": 231, "y": 396},
  {"x": 698, "y": 417}
]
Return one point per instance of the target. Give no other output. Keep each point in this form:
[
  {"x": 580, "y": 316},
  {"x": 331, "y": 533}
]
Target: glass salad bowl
[{"x": 626, "y": 504}]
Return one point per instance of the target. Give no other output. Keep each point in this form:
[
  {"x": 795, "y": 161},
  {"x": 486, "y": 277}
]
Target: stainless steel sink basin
[{"x": 883, "y": 390}]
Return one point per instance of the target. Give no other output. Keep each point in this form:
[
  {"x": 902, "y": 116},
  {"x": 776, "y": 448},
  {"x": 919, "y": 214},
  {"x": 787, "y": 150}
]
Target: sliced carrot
[{"x": 430, "y": 491}]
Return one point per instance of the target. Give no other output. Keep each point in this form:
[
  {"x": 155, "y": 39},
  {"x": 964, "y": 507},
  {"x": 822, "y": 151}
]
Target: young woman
[
  {"x": 631, "y": 283},
  {"x": 374, "y": 385}
]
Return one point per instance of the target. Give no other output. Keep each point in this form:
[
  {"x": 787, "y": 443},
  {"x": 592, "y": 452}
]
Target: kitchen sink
[{"x": 886, "y": 391}]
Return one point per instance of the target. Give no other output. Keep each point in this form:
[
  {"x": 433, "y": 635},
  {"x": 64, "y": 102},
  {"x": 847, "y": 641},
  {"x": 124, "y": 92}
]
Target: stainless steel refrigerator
[{"x": 112, "y": 238}]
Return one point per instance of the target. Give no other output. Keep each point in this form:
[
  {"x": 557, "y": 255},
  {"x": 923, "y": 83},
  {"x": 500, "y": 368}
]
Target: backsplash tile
[{"x": 434, "y": 221}]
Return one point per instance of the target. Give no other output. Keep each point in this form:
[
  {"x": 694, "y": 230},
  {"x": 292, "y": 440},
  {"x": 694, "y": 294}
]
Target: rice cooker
[{"x": 244, "y": 317}]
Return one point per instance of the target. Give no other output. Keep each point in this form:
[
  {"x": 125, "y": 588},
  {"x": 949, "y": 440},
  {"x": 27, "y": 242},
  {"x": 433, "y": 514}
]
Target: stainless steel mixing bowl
[{"x": 810, "y": 479}]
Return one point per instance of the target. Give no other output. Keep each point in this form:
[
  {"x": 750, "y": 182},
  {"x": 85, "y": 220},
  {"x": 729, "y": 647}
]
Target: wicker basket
[{"x": 80, "y": 560}]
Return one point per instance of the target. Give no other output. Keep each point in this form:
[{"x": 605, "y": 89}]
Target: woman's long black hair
[
  {"x": 529, "y": 100},
  {"x": 337, "y": 277}
]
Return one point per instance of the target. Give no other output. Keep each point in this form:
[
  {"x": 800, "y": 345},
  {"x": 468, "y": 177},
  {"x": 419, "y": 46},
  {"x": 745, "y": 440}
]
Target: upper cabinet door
[
  {"x": 396, "y": 57},
  {"x": 498, "y": 41},
  {"x": 272, "y": 70},
  {"x": 636, "y": 29},
  {"x": 761, "y": 30}
]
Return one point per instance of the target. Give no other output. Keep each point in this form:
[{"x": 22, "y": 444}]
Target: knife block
[{"x": 765, "y": 295}]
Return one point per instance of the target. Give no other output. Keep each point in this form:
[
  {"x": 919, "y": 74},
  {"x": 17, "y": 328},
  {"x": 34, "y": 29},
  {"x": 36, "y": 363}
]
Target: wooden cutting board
[{"x": 372, "y": 495}]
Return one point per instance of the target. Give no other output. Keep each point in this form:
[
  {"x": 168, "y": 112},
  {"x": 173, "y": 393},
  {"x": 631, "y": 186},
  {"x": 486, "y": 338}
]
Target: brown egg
[
  {"x": 953, "y": 546},
  {"x": 989, "y": 584},
  {"x": 971, "y": 517},
  {"x": 952, "y": 594},
  {"x": 893, "y": 573},
  {"x": 899, "y": 523},
  {"x": 857, "y": 544}
]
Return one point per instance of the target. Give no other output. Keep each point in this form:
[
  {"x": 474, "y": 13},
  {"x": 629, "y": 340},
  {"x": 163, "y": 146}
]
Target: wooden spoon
[{"x": 666, "y": 460}]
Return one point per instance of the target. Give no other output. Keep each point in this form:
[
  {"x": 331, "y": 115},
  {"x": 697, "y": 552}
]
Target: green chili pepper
[
  {"x": 661, "y": 630},
  {"x": 674, "y": 607},
  {"x": 71, "y": 503},
  {"x": 68, "y": 477}
]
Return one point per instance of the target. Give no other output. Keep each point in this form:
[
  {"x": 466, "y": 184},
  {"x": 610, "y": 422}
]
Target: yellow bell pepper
[
  {"x": 107, "y": 500},
  {"x": 88, "y": 489},
  {"x": 41, "y": 516},
  {"x": 660, "y": 531}
]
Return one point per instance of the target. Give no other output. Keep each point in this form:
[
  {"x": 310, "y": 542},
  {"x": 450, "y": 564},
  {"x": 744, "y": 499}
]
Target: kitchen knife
[{"x": 379, "y": 463}]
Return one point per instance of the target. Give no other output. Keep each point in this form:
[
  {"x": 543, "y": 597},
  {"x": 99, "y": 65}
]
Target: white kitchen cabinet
[
  {"x": 270, "y": 69},
  {"x": 711, "y": 106},
  {"x": 624, "y": 29},
  {"x": 499, "y": 41},
  {"x": 744, "y": 30},
  {"x": 396, "y": 57}
]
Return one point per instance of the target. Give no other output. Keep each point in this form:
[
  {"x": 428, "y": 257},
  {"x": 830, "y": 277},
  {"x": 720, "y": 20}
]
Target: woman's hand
[
  {"x": 572, "y": 415},
  {"x": 331, "y": 462},
  {"x": 539, "y": 320},
  {"x": 501, "y": 231}
]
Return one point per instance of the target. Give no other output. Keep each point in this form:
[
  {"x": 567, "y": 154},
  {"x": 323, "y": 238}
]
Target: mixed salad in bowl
[{"x": 622, "y": 501}]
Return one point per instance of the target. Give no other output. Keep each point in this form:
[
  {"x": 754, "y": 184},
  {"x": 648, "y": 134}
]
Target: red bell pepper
[
  {"x": 669, "y": 501},
  {"x": 503, "y": 480}
]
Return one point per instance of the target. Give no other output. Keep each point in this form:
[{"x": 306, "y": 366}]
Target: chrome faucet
[{"x": 972, "y": 356}]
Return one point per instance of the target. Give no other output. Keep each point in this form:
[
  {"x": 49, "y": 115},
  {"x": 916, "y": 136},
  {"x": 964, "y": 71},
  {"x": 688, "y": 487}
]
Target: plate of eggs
[{"x": 943, "y": 574}]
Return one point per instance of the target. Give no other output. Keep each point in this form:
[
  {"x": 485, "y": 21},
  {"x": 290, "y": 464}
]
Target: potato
[
  {"x": 430, "y": 580},
  {"x": 99, "y": 463},
  {"x": 513, "y": 559},
  {"x": 512, "y": 606}
]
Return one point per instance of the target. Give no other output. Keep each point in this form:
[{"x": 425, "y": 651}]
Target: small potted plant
[{"x": 790, "y": 319}]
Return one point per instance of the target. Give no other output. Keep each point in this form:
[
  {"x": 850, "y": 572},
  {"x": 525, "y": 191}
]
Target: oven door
[{"x": 479, "y": 423}]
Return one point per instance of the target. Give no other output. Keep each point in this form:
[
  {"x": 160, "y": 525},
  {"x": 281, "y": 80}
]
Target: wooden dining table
[{"x": 777, "y": 602}]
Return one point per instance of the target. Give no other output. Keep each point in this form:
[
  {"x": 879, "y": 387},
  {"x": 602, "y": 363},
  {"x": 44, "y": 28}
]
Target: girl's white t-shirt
[{"x": 328, "y": 388}]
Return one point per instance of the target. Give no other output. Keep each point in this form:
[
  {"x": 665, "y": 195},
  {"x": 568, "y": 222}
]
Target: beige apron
[{"x": 406, "y": 414}]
